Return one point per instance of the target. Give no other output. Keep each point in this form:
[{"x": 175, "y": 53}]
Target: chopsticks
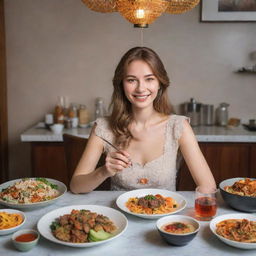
[{"x": 113, "y": 146}]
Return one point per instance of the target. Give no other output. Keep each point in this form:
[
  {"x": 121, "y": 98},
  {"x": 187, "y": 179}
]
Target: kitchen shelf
[{"x": 246, "y": 70}]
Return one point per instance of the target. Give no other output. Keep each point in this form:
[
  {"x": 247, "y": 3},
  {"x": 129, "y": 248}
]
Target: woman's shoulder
[
  {"x": 102, "y": 128},
  {"x": 173, "y": 118},
  {"x": 176, "y": 124},
  {"x": 102, "y": 122}
]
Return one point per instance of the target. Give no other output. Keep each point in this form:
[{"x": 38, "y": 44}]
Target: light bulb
[{"x": 140, "y": 14}]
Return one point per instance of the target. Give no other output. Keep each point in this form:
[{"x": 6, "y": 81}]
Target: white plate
[
  {"x": 122, "y": 199},
  {"x": 228, "y": 241},
  {"x": 11, "y": 230},
  {"x": 61, "y": 188},
  {"x": 117, "y": 217}
]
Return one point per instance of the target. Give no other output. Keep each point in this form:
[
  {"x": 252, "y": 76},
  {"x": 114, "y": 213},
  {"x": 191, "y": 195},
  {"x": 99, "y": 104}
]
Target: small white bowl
[
  {"x": 25, "y": 246},
  {"x": 57, "y": 128},
  {"x": 11, "y": 230}
]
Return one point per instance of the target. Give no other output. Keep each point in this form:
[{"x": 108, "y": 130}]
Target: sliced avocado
[{"x": 96, "y": 236}]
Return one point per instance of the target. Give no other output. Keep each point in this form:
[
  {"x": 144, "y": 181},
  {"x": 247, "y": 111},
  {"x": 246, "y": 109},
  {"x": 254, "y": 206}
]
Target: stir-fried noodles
[
  {"x": 245, "y": 187},
  {"x": 240, "y": 230}
]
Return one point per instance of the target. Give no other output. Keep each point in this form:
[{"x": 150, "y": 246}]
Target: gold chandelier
[
  {"x": 181, "y": 6},
  {"x": 101, "y": 5},
  {"x": 141, "y": 12}
]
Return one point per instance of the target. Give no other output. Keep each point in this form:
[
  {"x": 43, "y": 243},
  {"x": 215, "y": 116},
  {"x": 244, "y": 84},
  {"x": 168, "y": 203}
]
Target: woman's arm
[
  {"x": 194, "y": 158},
  {"x": 86, "y": 178}
]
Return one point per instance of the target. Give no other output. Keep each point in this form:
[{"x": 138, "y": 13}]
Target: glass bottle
[
  {"x": 59, "y": 111},
  {"x": 73, "y": 115},
  {"x": 100, "y": 110}
]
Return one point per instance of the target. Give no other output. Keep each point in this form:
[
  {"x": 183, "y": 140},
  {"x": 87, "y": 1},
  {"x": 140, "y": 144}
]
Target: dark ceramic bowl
[
  {"x": 177, "y": 239},
  {"x": 237, "y": 202}
]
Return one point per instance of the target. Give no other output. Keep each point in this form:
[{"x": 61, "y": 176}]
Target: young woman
[{"x": 145, "y": 131}]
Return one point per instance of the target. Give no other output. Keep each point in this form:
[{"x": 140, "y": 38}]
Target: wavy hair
[{"x": 121, "y": 109}]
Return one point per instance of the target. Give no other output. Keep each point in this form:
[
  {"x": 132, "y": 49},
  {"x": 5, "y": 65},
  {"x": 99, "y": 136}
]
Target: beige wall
[{"x": 59, "y": 47}]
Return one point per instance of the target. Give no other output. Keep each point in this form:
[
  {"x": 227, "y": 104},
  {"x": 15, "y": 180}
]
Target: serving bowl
[
  {"x": 177, "y": 239},
  {"x": 237, "y": 202},
  {"x": 233, "y": 243},
  {"x": 13, "y": 229},
  {"x": 25, "y": 246},
  {"x": 61, "y": 187}
]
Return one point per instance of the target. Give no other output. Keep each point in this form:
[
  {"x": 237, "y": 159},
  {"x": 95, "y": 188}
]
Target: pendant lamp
[
  {"x": 141, "y": 12},
  {"x": 101, "y": 5},
  {"x": 181, "y": 6}
]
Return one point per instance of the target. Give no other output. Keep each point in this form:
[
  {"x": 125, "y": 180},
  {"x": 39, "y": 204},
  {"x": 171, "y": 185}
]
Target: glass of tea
[{"x": 205, "y": 203}]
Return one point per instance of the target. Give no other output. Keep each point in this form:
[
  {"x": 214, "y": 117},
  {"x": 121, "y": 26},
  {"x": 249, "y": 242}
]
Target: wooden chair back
[{"x": 74, "y": 147}]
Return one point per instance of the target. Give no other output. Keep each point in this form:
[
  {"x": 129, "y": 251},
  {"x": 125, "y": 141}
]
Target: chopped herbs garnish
[{"x": 150, "y": 197}]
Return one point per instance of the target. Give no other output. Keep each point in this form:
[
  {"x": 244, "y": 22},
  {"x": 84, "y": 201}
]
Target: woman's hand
[{"x": 117, "y": 161}]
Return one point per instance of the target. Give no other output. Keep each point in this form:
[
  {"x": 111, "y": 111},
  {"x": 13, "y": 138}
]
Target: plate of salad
[{"x": 30, "y": 193}]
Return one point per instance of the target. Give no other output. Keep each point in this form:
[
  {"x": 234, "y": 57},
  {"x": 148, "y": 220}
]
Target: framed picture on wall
[{"x": 228, "y": 10}]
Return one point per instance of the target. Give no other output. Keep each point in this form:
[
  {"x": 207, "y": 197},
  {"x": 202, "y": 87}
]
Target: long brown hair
[{"x": 121, "y": 115}]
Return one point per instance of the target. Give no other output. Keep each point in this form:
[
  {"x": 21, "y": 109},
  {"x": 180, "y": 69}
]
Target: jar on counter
[
  {"x": 68, "y": 123},
  {"x": 83, "y": 116},
  {"x": 58, "y": 115},
  {"x": 222, "y": 114}
]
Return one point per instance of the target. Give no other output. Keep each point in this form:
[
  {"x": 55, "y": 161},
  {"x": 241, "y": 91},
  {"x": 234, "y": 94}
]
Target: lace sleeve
[{"x": 178, "y": 126}]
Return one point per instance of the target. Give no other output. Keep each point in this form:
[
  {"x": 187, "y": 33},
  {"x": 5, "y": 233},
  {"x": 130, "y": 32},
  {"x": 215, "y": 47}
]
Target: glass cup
[{"x": 205, "y": 203}]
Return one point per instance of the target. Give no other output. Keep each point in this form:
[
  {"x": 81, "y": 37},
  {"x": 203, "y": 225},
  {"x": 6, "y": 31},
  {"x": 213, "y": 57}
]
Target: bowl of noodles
[
  {"x": 151, "y": 203},
  {"x": 237, "y": 229},
  {"x": 11, "y": 220},
  {"x": 239, "y": 193}
]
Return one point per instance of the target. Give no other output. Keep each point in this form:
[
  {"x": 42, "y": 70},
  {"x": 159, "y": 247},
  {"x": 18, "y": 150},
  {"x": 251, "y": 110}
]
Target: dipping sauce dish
[{"x": 25, "y": 239}]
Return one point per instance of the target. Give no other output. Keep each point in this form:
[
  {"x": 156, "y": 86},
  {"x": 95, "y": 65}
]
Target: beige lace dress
[{"x": 158, "y": 173}]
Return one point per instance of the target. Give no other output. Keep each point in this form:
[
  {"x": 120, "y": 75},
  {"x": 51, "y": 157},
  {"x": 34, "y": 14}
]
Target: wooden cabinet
[
  {"x": 226, "y": 160},
  {"x": 48, "y": 160}
]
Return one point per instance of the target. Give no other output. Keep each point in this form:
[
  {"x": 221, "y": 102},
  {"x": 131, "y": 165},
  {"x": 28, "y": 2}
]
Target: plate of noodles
[
  {"x": 237, "y": 229},
  {"x": 30, "y": 193},
  {"x": 151, "y": 203}
]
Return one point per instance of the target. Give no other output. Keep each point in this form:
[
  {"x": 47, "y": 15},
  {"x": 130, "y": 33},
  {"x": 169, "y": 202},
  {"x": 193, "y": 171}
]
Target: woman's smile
[{"x": 141, "y": 97}]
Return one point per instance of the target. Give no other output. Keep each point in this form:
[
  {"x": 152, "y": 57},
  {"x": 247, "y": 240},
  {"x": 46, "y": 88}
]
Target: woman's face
[{"x": 140, "y": 84}]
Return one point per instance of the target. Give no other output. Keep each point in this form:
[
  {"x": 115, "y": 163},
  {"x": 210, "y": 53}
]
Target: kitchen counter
[
  {"x": 203, "y": 134},
  {"x": 140, "y": 238}
]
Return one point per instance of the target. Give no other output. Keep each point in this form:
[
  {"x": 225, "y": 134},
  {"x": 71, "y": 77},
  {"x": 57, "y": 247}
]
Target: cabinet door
[
  {"x": 48, "y": 160},
  {"x": 253, "y": 161},
  {"x": 226, "y": 160}
]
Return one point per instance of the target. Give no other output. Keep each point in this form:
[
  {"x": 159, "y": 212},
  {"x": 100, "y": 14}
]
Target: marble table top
[
  {"x": 140, "y": 238},
  {"x": 203, "y": 134}
]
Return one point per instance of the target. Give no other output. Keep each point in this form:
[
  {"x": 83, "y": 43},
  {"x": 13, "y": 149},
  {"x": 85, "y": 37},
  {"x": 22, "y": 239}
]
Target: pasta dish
[
  {"x": 151, "y": 204},
  {"x": 240, "y": 230},
  {"x": 245, "y": 187},
  {"x": 27, "y": 191}
]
